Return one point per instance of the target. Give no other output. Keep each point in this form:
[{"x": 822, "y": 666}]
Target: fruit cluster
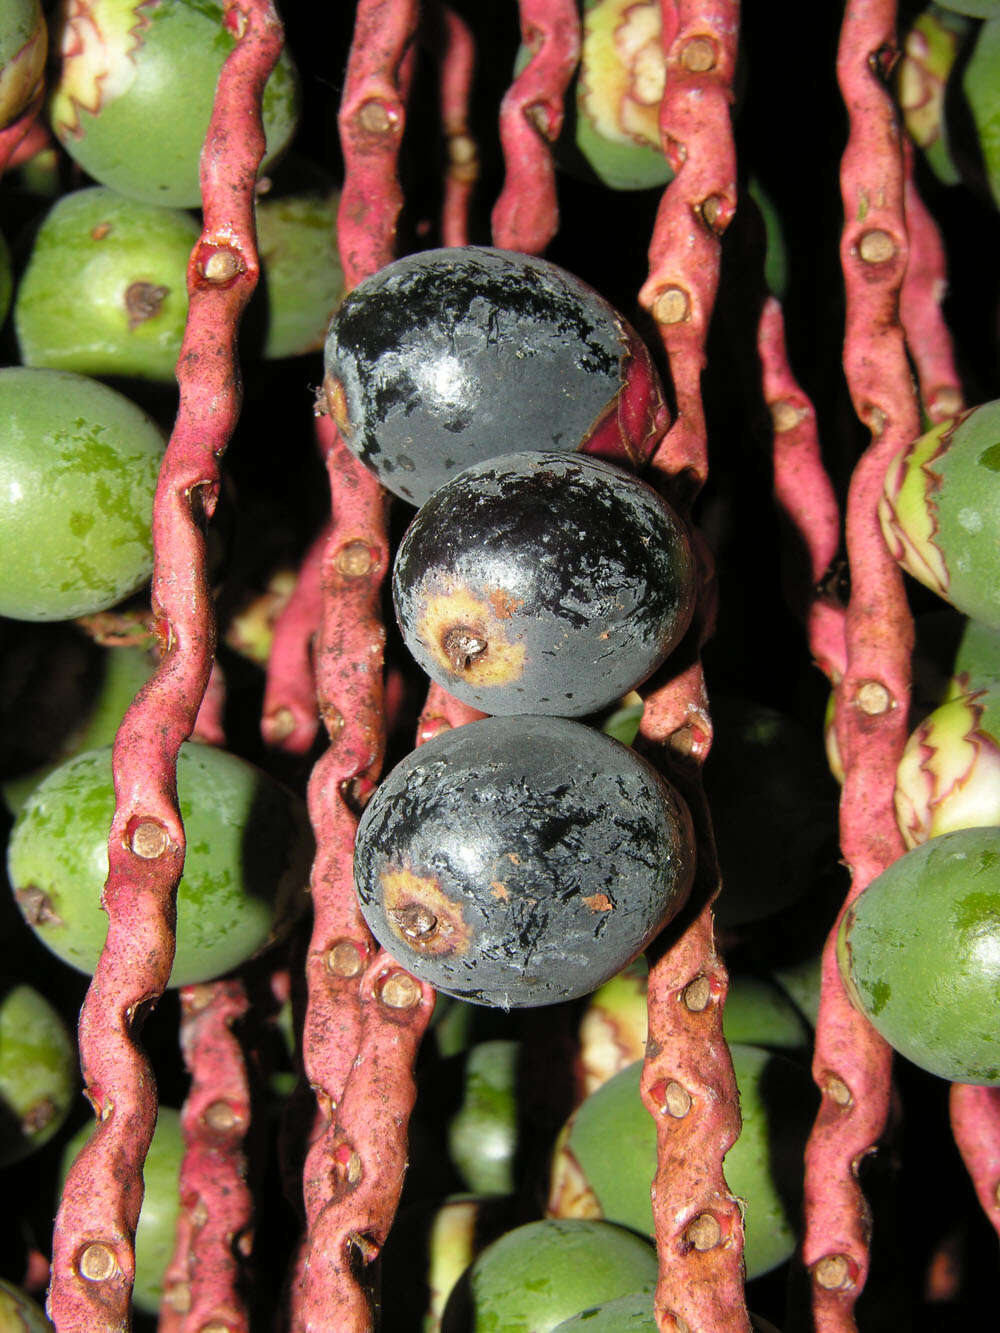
[{"x": 482, "y": 1043}]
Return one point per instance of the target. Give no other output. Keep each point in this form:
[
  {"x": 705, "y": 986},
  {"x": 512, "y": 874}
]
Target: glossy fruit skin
[
  {"x": 302, "y": 280},
  {"x": 135, "y": 91},
  {"x": 38, "y": 1072},
  {"x": 542, "y": 1273},
  {"x": 105, "y": 290},
  {"x": 521, "y": 861},
  {"x": 246, "y": 865},
  {"x": 764, "y": 1166},
  {"x": 940, "y": 512},
  {"x": 78, "y": 470},
  {"x": 19, "y": 1313},
  {"x": 543, "y": 583},
  {"x": 455, "y": 356},
  {"x": 919, "y": 952},
  {"x": 23, "y": 47},
  {"x": 977, "y": 660},
  {"x": 156, "y": 1234},
  {"x": 949, "y": 773}
]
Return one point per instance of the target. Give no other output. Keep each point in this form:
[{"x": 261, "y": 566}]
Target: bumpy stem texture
[
  {"x": 458, "y": 59},
  {"x": 526, "y": 215},
  {"x": 851, "y": 1063},
  {"x": 93, "y": 1256},
  {"x": 290, "y": 718},
  {"x": 803, "y": 492},
  {"x": 201, "y": 1287},
  {"x": 688, "y": 1085},
  {"x": 975, "y": 1121}
]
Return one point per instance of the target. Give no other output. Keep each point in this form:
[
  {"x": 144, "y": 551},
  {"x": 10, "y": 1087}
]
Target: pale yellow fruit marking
[
  {"x": 501, "y": 662},
  {"x": 452, "y": 1248},
  {"x": 909, "y": 486},
  {"x": 569, "y": 1193},
  {"x": 403, "y": 893},
  {"x": 613, "y": 1030},
  {"x": 97, "y": 64},
  {"x": 949, "y": 774},
  {"x": 625, "y": 71}
]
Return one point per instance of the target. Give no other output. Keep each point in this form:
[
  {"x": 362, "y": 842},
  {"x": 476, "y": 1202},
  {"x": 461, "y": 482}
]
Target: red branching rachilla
[{"x": 364, "y": 1015}]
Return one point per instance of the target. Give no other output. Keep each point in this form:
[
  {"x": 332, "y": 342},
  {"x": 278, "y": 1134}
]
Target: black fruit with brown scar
[
  {"x": 454, "y": 356},
  {"x": 521, "y": 861},
  {"x": 543, "y": 583}
]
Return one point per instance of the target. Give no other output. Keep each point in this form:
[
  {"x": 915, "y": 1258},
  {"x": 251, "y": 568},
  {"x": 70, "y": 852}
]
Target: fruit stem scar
[{"x": 463, "y": 646}]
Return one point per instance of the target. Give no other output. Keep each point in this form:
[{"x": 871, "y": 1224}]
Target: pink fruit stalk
[
  {"x": 290, "y": 719},
  {"x": 14, "y": 137},
  {"x": 688, "y": 1085},
  {"x": 93, "y": 1256},
  {"x": 975, "y": 1122},
  {"x": 526, "y": 216},
  {"x": 851, "y": 1064},
  {"x": 202, "y": 1283},
  {"x": 458, "y": 60},
  {"x": 924, "y": 284}
]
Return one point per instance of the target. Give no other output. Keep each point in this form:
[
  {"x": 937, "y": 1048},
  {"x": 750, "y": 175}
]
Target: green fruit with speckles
[
  {"x": 919, "y": 952},
  {"x": 303, "y": 282},
  {"x": 949, "y": 773},
  {"x": 19, "y": 1313},
  {"x": 122, "y": 672},
  {"x": 977, "y": 659},
  {"x": 105, "y": 290},
  {"x": 23, "y": 46},
  {"x": 156, "y": 1233},
  {"x": 78, "y": 469},
  {"x": 764, "y": 1166},
  {"x": 135, "y": 92},
  {"x": 540, "y": 1274},
  {"x": 940, "y": 511},
  {"x": 246, "y": 867},
  {"x": 37, "y": 1073}
]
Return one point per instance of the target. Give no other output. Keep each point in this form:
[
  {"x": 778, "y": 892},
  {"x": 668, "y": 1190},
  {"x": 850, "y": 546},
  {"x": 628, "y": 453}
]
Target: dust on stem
[
  {"x": 93, "y": 1256},
  {"x": 203, "y": 1284},
  {"x": 688, "y": 1084},
  {"x": 526, "y": 215},
  {"x": 851, "y": 1063}
]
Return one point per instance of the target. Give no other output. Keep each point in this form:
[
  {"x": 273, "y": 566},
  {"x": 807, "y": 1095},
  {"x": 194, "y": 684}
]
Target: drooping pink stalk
[
  {"x": 201, "y": 1287},
  {"x": 851, "y": 1062},
  {"x": 526, "y": 215},
  {"x": 289, "y": 718},
  {"x": 975, "y": 1122},
  {"x": 458, "y": 61},
  {"x": 14, "y": 137},
  {"x": 441, "y": 711},
  {"x": 803, "y": 491},
  {"x": 688, "y": 1085},
  {"x": 93, "y": 1255},
  {"x": 35, "y": 141},
  {"x": 924, "y": 285}
]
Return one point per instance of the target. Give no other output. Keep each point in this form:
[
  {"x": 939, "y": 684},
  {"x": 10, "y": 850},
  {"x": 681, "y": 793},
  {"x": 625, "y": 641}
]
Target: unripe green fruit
[
  {"x": 540, "y": 1274},
  {"x": 37, "y": 1073},
  {"x": 919, "y": 952},
  {"x": 981, "y": 84},
  {"x": 482, "y": 1136},
  {"x": 78, "y": 470},
  {"x": 135, "y": 92},
  {"x": 930, "y": 49},
  {"x": 19, "y": 1313},
  {"x": 156, "y": 1233},
  {"x": 940, "y": 511},
  {"x": 764, "y": 1166},
  {"x": 949, "y": 773},
  {"x": 977, "y": 659},
  {"x": 123, "y": 672},
  {"x": 247, "y": 860},
  {"x": 105, "y": 290},
  {"x": 303, "y": 282},
  {"x": 23, "y": 46}
]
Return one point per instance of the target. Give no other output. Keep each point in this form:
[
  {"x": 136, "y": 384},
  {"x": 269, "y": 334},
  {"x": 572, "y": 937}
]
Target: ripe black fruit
[
  {"x": 543, "y": 583},
  {"x": 453, "y": 356},
  {"x": 521, "y": 861}
]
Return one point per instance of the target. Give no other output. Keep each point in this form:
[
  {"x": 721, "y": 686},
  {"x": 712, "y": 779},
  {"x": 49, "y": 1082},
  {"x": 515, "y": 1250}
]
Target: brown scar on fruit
[
  {"x": 36, "y": 906},
  {"x": 569, "y": 1193},
  {"x": 421, "y": 915},
  {"x": 143, "y": 300},
  {"x": 599, "y": 902},
  {"x": 453, "y": 617},
  {"x": 500, "y": 890},
  {"x": 336, "y": 403},
  {"x": 503, "y": 603}
]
